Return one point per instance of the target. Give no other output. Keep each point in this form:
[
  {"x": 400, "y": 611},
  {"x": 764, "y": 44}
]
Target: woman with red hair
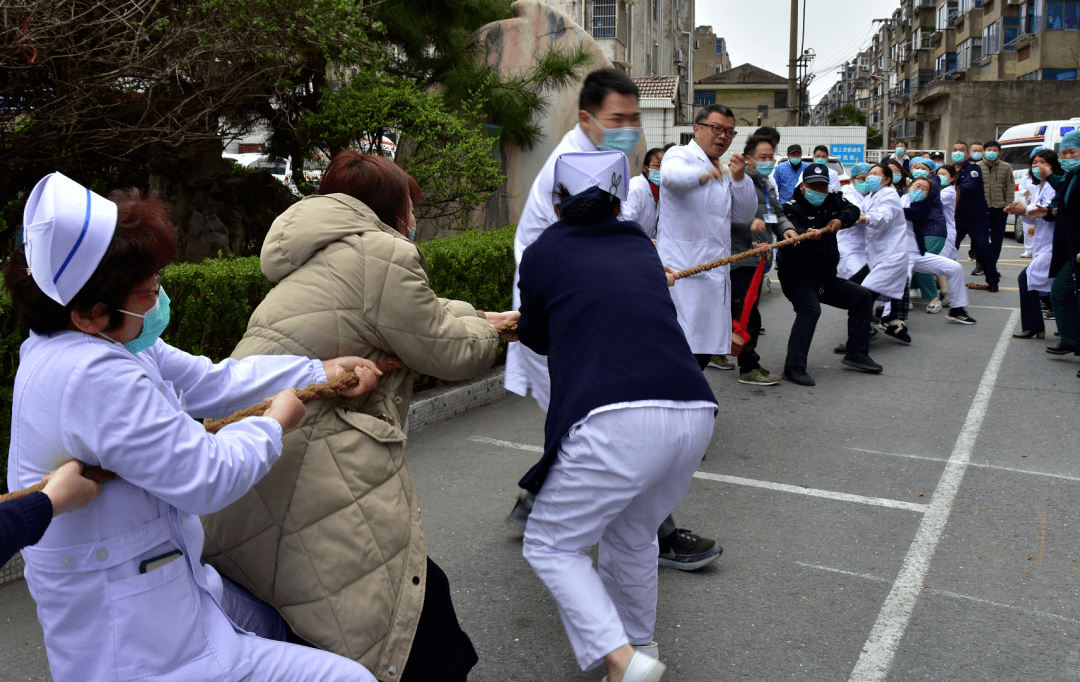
[{"x": 333, "y": 537}]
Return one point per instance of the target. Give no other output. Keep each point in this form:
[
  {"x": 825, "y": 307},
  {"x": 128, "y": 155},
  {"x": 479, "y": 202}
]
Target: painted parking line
[
  {"x": 946, "y": 593},
  {"x": 976, "y": 465},
  {"x": 879, "y": 652},
  {"x": 505, "y": 444},
  {"x": 814, "y": 492}
]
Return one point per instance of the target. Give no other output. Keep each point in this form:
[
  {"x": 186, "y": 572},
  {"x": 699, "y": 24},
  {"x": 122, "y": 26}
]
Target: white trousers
[
  {"x": 284, "y": 662},
  {"x": 953, "y": 272},
  {"x": 618, "y": 475}
]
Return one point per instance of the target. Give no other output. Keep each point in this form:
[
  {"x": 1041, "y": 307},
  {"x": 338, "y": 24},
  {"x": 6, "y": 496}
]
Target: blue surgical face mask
[
  {"x": 155, "y": 321},
  {"x": 916, "y": 195},
  {"x": 976, "y": 156},
  {"x": 618, "y": 139},
  {"x": 654, "y": 176},
  {"x": 821, "y": 161},
  {"x": 764, "y": 169},
  {"x": 944, "y": 180},
  {"x": 896, "y": 178},
  {"x": 860, "y": 187},
  {"x": 873, "y": 183},
  {"x": 920, "y": 173},
  {"x": 795, "y": 160},
  {"x": 900, "y": 151},
  {"x": 957, "y": 157},
  {"x": 1038, "y": 171},
  {"x": 1069, "y": 164},
  {"x": 991, "y": 156},
  {"x": 814, "y": 197}
]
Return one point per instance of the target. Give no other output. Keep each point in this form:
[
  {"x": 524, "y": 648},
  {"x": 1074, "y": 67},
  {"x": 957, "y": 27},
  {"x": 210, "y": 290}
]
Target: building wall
[
  {"x": 958, "y": 110},
  {"x": 745, "y": 103},
  {"x": 709, "y": 57}
]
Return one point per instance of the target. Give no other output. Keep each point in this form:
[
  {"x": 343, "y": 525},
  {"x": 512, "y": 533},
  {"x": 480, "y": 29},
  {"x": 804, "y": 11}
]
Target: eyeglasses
[{"x": 719, "y": 130}]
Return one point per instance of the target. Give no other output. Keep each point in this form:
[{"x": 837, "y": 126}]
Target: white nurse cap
[
  {"x": 67, "y": 230},
  {"x": 579, "y": 171}
]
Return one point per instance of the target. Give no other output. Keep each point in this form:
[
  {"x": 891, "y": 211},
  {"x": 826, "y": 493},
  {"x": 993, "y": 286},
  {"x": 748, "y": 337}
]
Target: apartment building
[
  {"x": 644, "y": 38},
  {"x": 909, "y": 80},
  {"x": 710, "y": 54}
]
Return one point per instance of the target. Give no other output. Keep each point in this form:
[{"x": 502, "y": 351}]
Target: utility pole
[{"x": 793, "y": 55}]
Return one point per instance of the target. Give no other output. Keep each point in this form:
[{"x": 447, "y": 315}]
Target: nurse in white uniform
[
  {"x": 120, "y": 590},
  {"x": 1035, "y": 280},
  {"x": 642, "y": 205},
  {"x": 698, "y": 202},
  {"x": 886, "y": 248},
  {"x": 852, "y": 241}
]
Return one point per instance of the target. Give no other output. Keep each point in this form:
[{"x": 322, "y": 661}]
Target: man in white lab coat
[
  {"x": 608, "y": 119},
  {"x": 699, "y": 199}
]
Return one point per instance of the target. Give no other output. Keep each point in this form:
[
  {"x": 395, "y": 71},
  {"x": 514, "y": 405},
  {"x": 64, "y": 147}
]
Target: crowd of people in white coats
[{"x": 289, "y": 546}]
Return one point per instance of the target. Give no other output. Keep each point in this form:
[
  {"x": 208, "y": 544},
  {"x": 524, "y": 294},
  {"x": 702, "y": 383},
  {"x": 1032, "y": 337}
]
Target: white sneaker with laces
[{"x": 642, "y": 668}]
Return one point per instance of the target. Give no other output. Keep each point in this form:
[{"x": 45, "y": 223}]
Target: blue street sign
[{"x": 848, "y": 153}]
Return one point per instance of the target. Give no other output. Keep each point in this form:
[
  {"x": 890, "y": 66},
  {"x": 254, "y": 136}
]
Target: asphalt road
[{"x": 913, "y": 525}]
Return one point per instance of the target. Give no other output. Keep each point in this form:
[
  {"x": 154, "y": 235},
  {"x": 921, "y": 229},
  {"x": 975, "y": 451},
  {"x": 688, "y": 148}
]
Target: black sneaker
[
  {"x": 841, "y": 349},
  {"x": 800, "y": 377},
  {"x": 861, "y": 361},
  {"x": 519, "y": 515},
  {"x": 992, "y": 288},
  {"x": 687, "y": 552},
  {"x": 960, "y": 315},
  {"x": 898, "y": 332}
]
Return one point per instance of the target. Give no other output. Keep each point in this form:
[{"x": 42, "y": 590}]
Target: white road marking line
[
  {"x": 979, "y": 465},
  {"x": 946, "y": 593},
  {"x": 878, "y": 653},
  {"x": 990, "y": 307},
  {"x": 814, "y": 492},
  {"x": 505, "y": 444}
]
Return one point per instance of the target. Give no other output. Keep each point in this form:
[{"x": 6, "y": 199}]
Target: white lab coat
[
  {"x": 524, "y": 368},
  {"x": 695, "y": 228},
  {"x": 1026, "y": 185},
  {"x": 640, "y": 206},
  {"x": 851, "y": 241},
  {"x": 948, "y": 203},
  {"x": 77, "y": 396},
  {"x": 886, "y": 251},
  {"x": 934, "y": 264},
  {"x": 1038, "y": 272}
]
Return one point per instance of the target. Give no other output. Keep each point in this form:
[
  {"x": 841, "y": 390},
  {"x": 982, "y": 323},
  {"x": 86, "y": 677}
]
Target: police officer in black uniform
[
  {"x": 973, "y": 215},
  {"x": 808, "y": 275}
]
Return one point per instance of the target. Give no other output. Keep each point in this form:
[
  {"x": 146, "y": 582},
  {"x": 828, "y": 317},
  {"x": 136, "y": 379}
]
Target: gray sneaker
[
  {"x": 686, "y": 551},
  {"x": 721, "y": 362},
  {"x": 759, "y": 377},
  {"x": 519, "y": 515}
]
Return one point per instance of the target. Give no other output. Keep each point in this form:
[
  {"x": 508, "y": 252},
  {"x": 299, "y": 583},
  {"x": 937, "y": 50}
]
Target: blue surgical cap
[
  {"x": 929, "y": 163},
  {"x": 1071, "y": 141},
  {"x": 860, "y": 168},
  {"x": 1037, "y": 150}
]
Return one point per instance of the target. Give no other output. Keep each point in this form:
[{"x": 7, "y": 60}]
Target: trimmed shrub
[{"x": 213, "y": 300}]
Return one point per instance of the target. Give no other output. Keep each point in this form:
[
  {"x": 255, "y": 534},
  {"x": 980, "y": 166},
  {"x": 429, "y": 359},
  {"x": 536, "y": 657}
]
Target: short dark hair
[
  {"x": 1048, "y": 155},
  {"x": 599, "y": 84},
  {"x": 821, "y": 148},
  {"x": 769, "y": 132},
  {"x": 963, "y": 143},
  {"x": 143, "y": 243},
  {"x": 376, "y": 181},
  {"x": 993, "y": 143},
  {"x": 886, "y": 170},
  {"x": 754, "y": 141},
  {"x": 899, "y": 142},
  {"x": 951, "y": 170},
  {"x": 589, "y": 207},
  {"x": 669, "y": 145},
  {"x": 704, "y": 113},
  {"x": 650, "y": 155}
]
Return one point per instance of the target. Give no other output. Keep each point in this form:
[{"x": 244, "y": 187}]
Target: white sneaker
[
  {"x": 642, "y": 669},
  {"x": 934, "y": 306},
  {"x": 652, "y": 649},
  {"x": 1026, "y": 254}
]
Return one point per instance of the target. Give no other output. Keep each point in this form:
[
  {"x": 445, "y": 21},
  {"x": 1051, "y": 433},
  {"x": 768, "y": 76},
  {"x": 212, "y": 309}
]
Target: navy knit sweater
[
  {"x": 23, "y": 522},
  {"x": 594, "y": 299}
]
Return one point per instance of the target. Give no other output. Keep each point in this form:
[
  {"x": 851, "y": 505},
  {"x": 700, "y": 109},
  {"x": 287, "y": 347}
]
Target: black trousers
[
  {"x": 980, "y": 243},
  {"x": 806, "y": 298},
  {"x": 740, "y": 285},
  {"x": 1031, "y": 316},
  {"x": 441, "y": 650},
  {"x": 998, "y": 221}
]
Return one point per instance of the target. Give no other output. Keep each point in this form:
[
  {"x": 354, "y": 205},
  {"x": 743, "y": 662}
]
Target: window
[
  {"x": 1023, "y": 54},
  {"x": 1063, "y": 15},
  {"x": 1059, "y": 74},
  {"x": 655, "y": 11},
  {"x": 1034, "y": 75},
  {"x": 603, "y": 19},
  {"x": 763, "y": 112},
  {"x": 926, "y": 76},
  {"x": 1009, "y": 32},
  {"x": 780, "y": 99},
  {"x": 968, "y": 52},
  {"x": 1031, "y": 16},
  {"x": 703, "y": 98},
  {"x": 968, "y": 5},
  {"x": 946, "y": 15},
  {"x": 991, "y": 38},
  {"x": 720, "y": 46}
]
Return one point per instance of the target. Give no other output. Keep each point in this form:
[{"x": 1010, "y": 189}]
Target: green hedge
[{"x": 212, "y": 301}]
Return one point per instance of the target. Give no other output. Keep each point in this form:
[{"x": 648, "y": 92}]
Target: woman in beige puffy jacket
[{"x": 332, "y": 536}]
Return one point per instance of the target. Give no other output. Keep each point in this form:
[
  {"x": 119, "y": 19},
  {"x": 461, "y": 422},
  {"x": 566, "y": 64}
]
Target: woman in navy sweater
[
  {"x": 630, "y": 418},
  {"x": 23, "y": 521}
]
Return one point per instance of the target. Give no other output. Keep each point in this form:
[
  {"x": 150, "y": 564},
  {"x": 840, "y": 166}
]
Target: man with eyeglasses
[
  {"x": 608, "y": 119},
  {"x": 699, "y": 199}
]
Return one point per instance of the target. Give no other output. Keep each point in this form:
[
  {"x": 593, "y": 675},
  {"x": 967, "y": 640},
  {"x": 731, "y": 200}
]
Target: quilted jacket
[{"x": 332, "y": 536}]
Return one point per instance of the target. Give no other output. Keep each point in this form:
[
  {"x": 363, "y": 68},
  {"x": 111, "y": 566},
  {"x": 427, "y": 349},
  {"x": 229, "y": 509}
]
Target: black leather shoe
[
  {"x": 1030, "y": 335},
  {"x": 799, "y": 377},
  {"x": 862, "y": 361},
  {"x": 1062, "y": 349},
  {"x": 992, "y": 288}
]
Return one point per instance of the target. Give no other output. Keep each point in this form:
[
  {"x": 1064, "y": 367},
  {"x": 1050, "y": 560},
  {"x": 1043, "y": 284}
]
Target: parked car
[{"x": 281, "y": 169}]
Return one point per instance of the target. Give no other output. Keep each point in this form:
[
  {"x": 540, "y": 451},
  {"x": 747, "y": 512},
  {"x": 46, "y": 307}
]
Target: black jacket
[
  {"x": 815, "y": 260},
  {"x": 971, "y": 207},
  {"x": 1067, "y": 226}
]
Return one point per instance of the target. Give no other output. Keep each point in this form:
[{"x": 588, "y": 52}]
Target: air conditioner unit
[
  {"x": 678, "y": 57},
  {"x": 696, "y": 45}
]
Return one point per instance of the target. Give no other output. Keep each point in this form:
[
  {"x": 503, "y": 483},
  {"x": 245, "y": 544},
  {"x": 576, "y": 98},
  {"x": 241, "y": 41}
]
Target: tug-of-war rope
[{"x": 369, "y": 379}]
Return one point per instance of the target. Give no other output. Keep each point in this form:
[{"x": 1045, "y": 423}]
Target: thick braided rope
[{"x": 752, "y": 253}]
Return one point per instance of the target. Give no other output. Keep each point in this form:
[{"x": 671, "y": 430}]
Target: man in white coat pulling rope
[{"x": 699, "y": 199}]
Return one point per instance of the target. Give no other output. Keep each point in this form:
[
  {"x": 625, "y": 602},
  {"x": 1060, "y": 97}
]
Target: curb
[{"x": 428, "y": 408}]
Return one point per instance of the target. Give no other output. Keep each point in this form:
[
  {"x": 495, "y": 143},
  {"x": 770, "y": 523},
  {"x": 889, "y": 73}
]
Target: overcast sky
[{"x": 758, "y": 32}]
